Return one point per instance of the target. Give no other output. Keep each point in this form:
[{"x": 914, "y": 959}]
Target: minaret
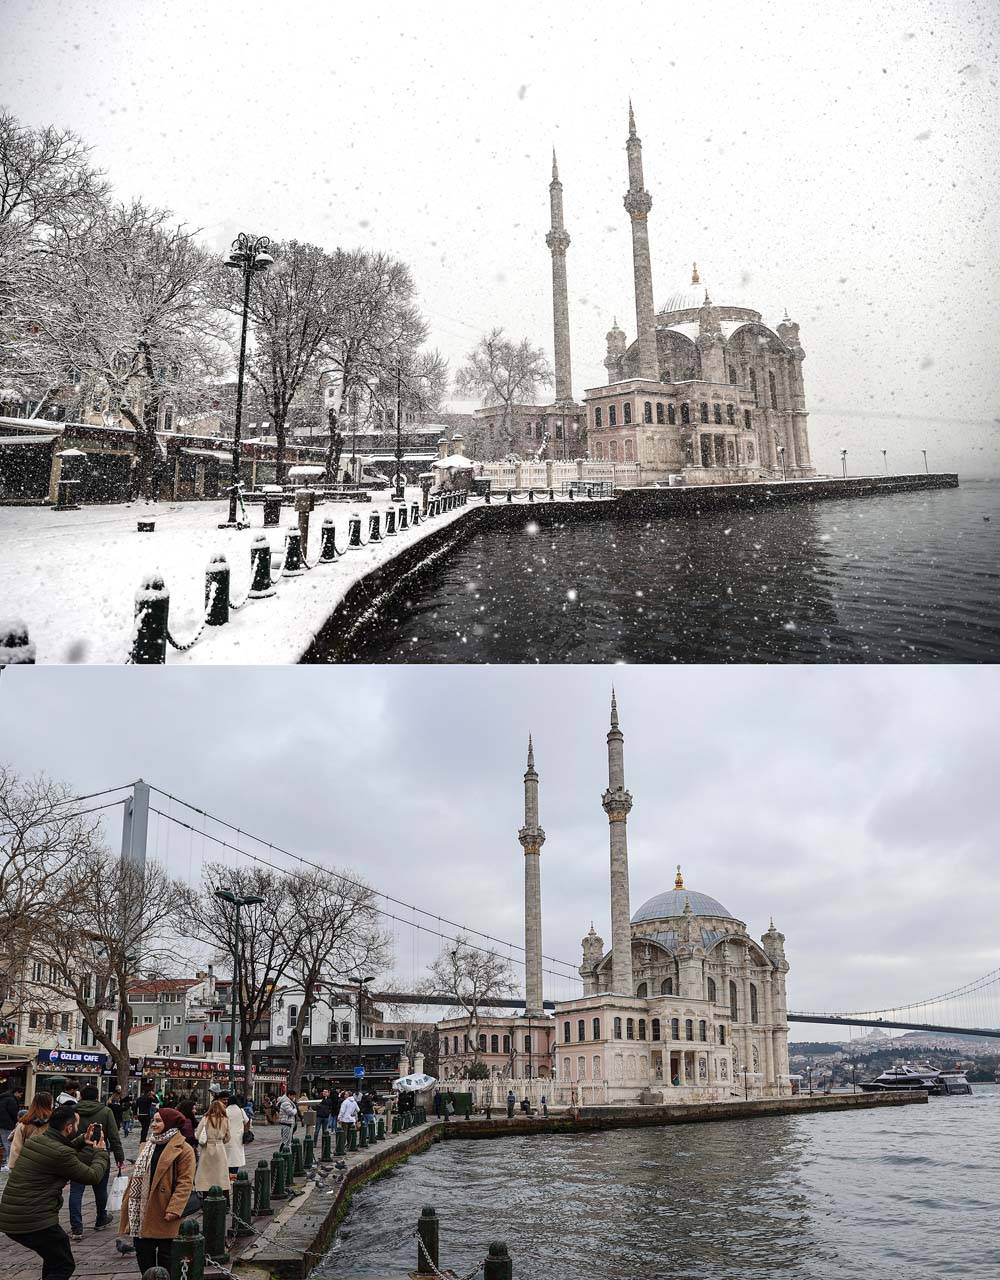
[
  {"x": 638, "y": 203},
  {"x": 617, "y": 803},
  {"x": 532, "y": 837},
  {"x": 558, "y": 241}
]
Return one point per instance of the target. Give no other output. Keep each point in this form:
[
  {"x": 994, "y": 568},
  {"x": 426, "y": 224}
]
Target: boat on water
[{"x": 936, "y": 1083}]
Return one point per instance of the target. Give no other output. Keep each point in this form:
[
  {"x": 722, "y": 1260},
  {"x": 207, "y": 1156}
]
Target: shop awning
[
  {"x": 214, "y": 455},
  {"x": 5, "y": 440},
  {"x": 9, "y": 1065}
]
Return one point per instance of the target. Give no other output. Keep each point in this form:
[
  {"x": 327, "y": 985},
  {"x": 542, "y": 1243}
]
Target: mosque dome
[
  {"x": 665, "y": 906},
  {"x": 691, "y": 297}
]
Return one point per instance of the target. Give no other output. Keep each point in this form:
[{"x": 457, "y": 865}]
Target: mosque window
[
  {"x": 618, "y": 1028},
  {"x": 642, "y": 991},
  {"x": 656, "y": 1029},
  {"x": 627, "y": 413},
  {"x": 675, "y": 1028},
  {"x": 596, "y": 1068},
  {"x": 753, "y": 1003},
  {"x": 659, "y": 414},
  {"x": 704, "y": 411},
  {"x": 566, "y": 1073},
  {"x": 667, "y": 987},
  {"x": 711, "y": 990},
  {"x": 559, "y": 431},
  {"x": 598, "y": 451},
  {"x": 647, "y": 411},
  {"x": 753, "y": 383},
  {"x": 748, "y": 419},
  {"x": 688, "y": 1028},
  {"x": 749, "y": 452},
  {"x": 732, "y": 375},
  {"x": 734, "y": 1008},
  {"x": 628, "y": 451},
  {"x": 506, "y": 1044},
  {"x": 494, "y": 1044},
  {"x": 612, "y": 415},
  {"x": 773, "y": 387},
  {"x": 454, "y": 1047},
  {"x": 597, "y": 1028},
  {"x": 613, "y": 451},
  {"x": 565, "y": 1033},
  {"x": 722, "y": 1035},
  {"x": 482, "y": 1043},
  {"x": 581, "y": 1030},
  {"x": 685, "y": 414},
  {"x": 717, "y": 412},
  {"x": 671, "y": 414},
  {"x": 666, "y": 376},
  {"x": 731, "y": 414},
  {"x": 527, "y": 1044},
  {"x": 630, "y": 1028},
  {"x": 642, "y": 1028},
  {"x": 465, "y": 1045},
  {"x": 581, "y": 1068},
  {"x": 702, "y": 1030},
  {"x": 598, "y": 418}
]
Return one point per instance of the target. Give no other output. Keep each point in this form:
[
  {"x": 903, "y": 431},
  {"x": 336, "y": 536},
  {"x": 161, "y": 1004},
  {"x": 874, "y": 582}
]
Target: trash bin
[
  {"x": 481, "y": 486},
  {"x": 272, "y": 509},
  {"x": 66, "y": 496}
]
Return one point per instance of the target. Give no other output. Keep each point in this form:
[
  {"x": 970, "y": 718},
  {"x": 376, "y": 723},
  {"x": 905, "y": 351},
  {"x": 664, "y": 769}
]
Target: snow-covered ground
[{"x": 72, "y": 577}]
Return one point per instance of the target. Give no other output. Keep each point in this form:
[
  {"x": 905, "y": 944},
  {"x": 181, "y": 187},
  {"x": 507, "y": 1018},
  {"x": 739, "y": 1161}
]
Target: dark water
[
  {"x": 908, "y": 1192},
  {"x": 911, "y": 577}
]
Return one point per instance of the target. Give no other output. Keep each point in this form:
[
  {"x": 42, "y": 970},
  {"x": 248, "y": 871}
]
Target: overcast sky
[
  {"x": 840, "y": 161},
  {"x": 856, "y": 806}
]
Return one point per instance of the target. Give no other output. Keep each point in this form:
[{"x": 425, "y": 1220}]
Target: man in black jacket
[{"x": 10, "y": 1105}]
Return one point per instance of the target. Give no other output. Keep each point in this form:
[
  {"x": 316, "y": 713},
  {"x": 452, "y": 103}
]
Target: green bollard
[
  {"x": 428, "y": 1236},
  {"x": 381, "y": 1128},
  {"x": 187, "y": 1253},
  {"x": 341, "y": 1142},
  {"x": 363, "y": 1136},
  {"x": 308, "y": 1151},
  {"x": 395, "y": 1123},
  {"x": 289, "y": 1160},
  {"x": 278, "y": 1191},
  {"x": 498, "y": 1265},
  {"x": 326, "y": 1147},
  {"x": 242, "y": 1205},
  {"x": 213, "y": 1218},
  {"x": 352, "y": 1139},
  {"x": 298, "y": 1159},
  {"x": 262, "y": 1189}
]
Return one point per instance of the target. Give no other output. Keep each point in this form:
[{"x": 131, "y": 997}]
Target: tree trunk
[
  {"x": 333, "y": 448},
  {"x": 280, "y": 433},
  {"x": 297, "y": 1060},
  {"x": 145, "y": 447}
]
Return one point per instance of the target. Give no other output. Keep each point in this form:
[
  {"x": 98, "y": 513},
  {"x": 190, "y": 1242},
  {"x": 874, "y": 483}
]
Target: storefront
[
  {"x": 17, "y": 1068},
  {"x": 55, "y": 1067},
  {"x": 190, "y": 1075}
]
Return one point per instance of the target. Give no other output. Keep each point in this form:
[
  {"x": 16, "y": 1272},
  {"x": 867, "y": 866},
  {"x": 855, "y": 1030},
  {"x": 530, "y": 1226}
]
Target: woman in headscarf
[
  {"x": 213, "y": 1134},
  {"x": 33, "y": 1121},
  {"x": 158, "y": 1190}
]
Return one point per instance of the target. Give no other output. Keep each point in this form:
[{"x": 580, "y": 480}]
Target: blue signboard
[
  {"x": 73, "y": 1058},
  {"x": 359, "y": 1072}
]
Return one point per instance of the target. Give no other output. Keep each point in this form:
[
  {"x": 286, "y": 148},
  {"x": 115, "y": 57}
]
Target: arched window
[
  {"x": 565, "y": 1033},
  {"x": 596, "y": 1028},
  {"x": 455, "y": 1044},
  {"x": 293, "y": 1013},
  {"x": 627, "y": 412},
  {"x": 702, "y": 1030},
  {"x": 630, "y": 1028},
  {"x": 656, "y": 1028},
  {"x": 345, "y": 1031},
  {"x": 581, "y": 1068},
  {"x": 627, "y": 451},
  {"x": 613, "y": 451},
  {"x": 618, "y": 1028},
  {"x": 596, "y": 1068},
  {"x": 506, "y": 1044},
  {"x": 612, "y": 415},
  {"x": 722, "y": 1035},
  {"x": 494, "y": 1044},
  {"x": 773, "y": 387},
  {"x": 482, "y": 1043},
  {"x": 704, "y": 411},
  {"x": 753, "y": 383},
  {"x": 671, "y": 414},
  {"x": 566, "y": 1073},
  {"x": 717, "y": 412},
  {"x": 598, "y": 451},
  {"x": 444, "y": 1046},
  {"x": 749, "y": 452},
  {"x": 598, "y": 418},
  {"x": 748, "y": 419},
  {"x": 527, "y": 1044},
  {"x": 665, "y": 376},
  {"x": 641, "y": 991},
  {"x": 734, "y": 1007},
  {"x": 581, "y": 1030},
  {"x": 465, "y": 1044},
  {"x": 675, "y": 1028},
  {"x": 642, "y": 1028},
  {"x": 711, "y": 990},
  {"x": 647, "y": 411},
  {"x": 659, "y": 413},
  {"x": 667, "y": 987},
  {"x": 732, "y": 375},
  {"x": 685, "y": 414},
  {"x": 753, "y": 1003},
  {"x": 731, "y": 414},
  {"x": 688, "y": 1028}
]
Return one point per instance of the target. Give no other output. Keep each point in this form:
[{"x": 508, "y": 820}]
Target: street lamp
[
  {"x": 810, "y": 1072},
  {"x": 781, "y": 452},
  {"x": 924, "y": 452},
  {"x": 237, "y": 902},
  {"x": 397, "y": 493},
  {"x": 249, "y": 255},
  {"x": 843, "y": 459},
  {"x": 361, "y": 1058},
  {"x": 885, "y": 461},
  {"x": 746, "y": 1085}
]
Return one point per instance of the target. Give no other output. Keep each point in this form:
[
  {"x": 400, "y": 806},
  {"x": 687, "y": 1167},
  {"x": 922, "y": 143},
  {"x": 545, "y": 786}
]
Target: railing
[{"x": 552, "y": 474}]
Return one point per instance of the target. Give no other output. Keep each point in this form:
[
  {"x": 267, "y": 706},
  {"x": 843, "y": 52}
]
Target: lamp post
[
  {"x": 781, "y": 454},
  {"x": 885, "y": 461},
  {"x": 843, "y": 460},
  {"x": 237, "y": 902},
  {"x": 249, "y": 255},
  {"x": 361, "y": 991},
  {"x": 810, "y": 1073},
  {"x": 924, "y": 452},
  {"x": 397, "y": 493},
  {"x": 746, "y": 1085}
]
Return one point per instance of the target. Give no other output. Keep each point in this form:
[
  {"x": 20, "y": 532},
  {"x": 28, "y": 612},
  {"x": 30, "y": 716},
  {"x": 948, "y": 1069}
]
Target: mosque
[
  {"x": 685, "y": 1006},
  {"x": 705, "y": 391}
]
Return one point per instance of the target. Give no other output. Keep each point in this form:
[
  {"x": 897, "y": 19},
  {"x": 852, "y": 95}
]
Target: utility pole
[{"x": 135, "y": 823}]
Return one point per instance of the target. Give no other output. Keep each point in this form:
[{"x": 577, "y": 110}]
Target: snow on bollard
[
  {"x": 328, "y": 541},
  {"x": 261, "y": 585},
  {"x": 293, "y": 554},
  {"x": 402, "y": 522},
  {"x": 354, "y": 531},
  {"x": 374, "y": 520},
  {"x": 149, "y": 631},
  {"x": 390, "y": 522},
  {"x": 15, "y": 647},
  {"x": 217, "y": 591},
  {"x": 415, "y": 513}
]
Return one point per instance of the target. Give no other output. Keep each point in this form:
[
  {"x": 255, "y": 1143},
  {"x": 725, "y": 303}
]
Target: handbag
[
  {"x": 116, "y": 1192},
  {"x": 248, "y": 1135},
  {"x": 193, "y": 1205}
]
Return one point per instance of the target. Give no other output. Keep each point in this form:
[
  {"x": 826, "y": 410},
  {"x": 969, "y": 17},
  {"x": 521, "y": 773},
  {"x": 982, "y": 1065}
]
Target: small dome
[{"x": 669, "y": 905}]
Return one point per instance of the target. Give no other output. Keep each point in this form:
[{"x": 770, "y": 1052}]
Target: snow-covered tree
[{"x": 499, "y": 371}]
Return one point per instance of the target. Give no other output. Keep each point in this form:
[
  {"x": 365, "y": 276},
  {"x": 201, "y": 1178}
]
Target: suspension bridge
[{"x": 175, "y": 831}]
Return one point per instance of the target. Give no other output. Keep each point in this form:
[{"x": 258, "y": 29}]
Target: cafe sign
[
  {"x": 190, "y": 1068},
  {"x": 75, "y": 1058}
]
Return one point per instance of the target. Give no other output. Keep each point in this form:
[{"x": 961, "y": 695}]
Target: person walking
[
  {"x": 213, "y": 1135},
  {"x": 235, "y": 1151},
  {"x": 69, "y": 1096},
  {"x": 32, "y": 1198},
  {"x": 288, "y": 1117},
  {"x": 92, "y": 1111},
  {"x": 31, "y": 1123},
  {"x": 116, "y": 1106},
  {"x": 347, "y": 1116},
  {"x": 324, "y": 1112},
  {"x": 186, "y": 1108},
  {"x": 158, "y": 1191},
  {"x": 511, "y": 1104},
  {"x": 145, "y": 1111},
  {"x": 128, "y": 1112},
  {"x": 10, "y": 1106}
]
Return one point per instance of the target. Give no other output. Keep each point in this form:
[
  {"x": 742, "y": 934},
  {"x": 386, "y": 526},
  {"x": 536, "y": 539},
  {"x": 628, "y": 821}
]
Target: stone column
[
  {"x": 558, "y": 242},
  {"x": 532, "y": 837},
  {"x": 617, "y": 803}
]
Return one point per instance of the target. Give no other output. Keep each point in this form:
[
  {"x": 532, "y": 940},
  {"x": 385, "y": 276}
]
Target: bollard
[
  {"x": 187, "y": 1253},
  {"x": 17, "y": 650},
  {"x": 293, "y": 554},
  {"x": 402, "y": 521},
  {"x": 590, "y": 491},
  {"x": 381, "y": 1128},
  {"x": 498, "y": 1265},
  {"x": 289, "y": 1160},
  {"x": 390, "y": 522},
  {"x": 415, "y": 513},
  {"x": 326, "y": 1147},
  {"x": 552, "y": 495},
  {"x": 213, "y": 1224},
  {"x": 261, "y": 585},
  {"x": 572, "y": 494},
  {"x": 242, "y": 1205},
  {"x": 328, "y": 541},
  {"x": 308, "y": 1151},
  {"x": 374, "y": 520},
  {"x": 395, "y": 1124},
  {"x": 363, "y": 1134},
  {"x": 217, "y": 591},
  {"x": 531, "y": 495},
  {"x": 352, "y": 1139},
  {"x": 509, "y": 496},
  {"x": 488, "y": 497},
  {"x": 298, "y": 1159},
  {"x": 262, "y": 1189},
  {"x": 149, "y": 632},
  {"x": 428, "y": 1236},
  {"x": 341, "y": 1142},
  {"x": 354, "y": 531},
  {"x": 278, "y": 1191}
]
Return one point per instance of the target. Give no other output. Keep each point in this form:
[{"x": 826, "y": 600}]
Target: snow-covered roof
[
  {"x": 456, "y": 461},
  {"x": 306, "y": 471},
  {"x": 70, "y": 453},
  {"x": 5, "y": 440}
]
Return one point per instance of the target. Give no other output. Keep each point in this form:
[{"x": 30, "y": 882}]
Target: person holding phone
[
  {"x": 158, "y": 1189},
  {"x": 32, "y": 1198},
  {"x": 94, "y": 1112}
]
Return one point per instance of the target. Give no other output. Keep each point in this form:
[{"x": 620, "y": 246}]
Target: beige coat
[
  {"x": 169, "y": 1190},
  {"x": 236, "y": 1155},
  {"x": 213, "y": 1160},
  {"x": 22, "y": 1133}
]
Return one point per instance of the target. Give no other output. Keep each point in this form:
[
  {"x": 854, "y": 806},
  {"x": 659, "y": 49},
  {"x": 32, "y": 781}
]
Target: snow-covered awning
[
  {"x": 306, "y": 471},
  {"x": 5, "y": 440},
  {"x": 455, "y": 461},
  {"x": 215, "y": 454},
  {"x": 70, "y": 453}
]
